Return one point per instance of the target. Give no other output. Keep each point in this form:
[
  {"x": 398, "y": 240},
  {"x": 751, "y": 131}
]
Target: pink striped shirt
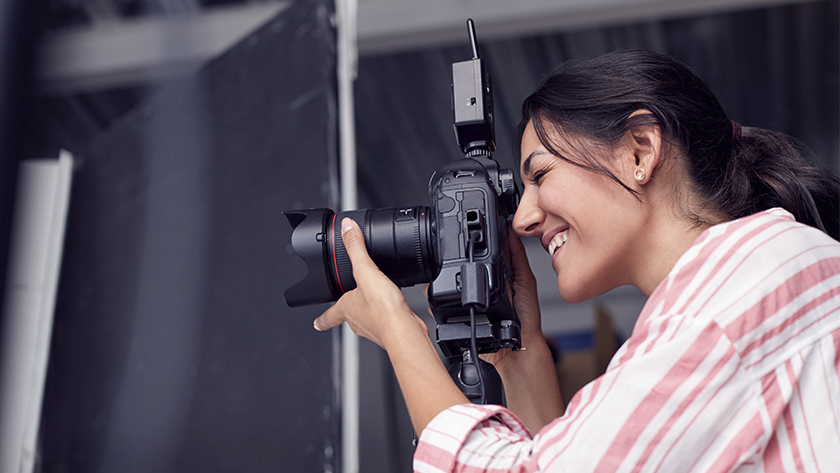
[{"x": 732, "y": 365}]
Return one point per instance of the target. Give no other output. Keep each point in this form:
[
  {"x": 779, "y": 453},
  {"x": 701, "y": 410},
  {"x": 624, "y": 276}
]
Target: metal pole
[{"x": 347, "y": 66}]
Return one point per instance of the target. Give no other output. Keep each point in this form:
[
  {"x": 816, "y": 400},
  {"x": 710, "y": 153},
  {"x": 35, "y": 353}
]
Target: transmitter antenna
[{"x": 473, "y": 42}]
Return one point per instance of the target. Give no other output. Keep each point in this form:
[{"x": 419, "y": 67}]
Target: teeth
[{"x": 557, "y": 242}]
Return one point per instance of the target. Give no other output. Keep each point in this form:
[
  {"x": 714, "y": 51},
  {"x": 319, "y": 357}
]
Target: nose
[{"x": 529, "y": 216}]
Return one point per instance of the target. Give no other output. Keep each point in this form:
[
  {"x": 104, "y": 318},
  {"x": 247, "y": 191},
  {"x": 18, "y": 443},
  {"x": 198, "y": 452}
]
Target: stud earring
[{"x": 640, "y": 174}]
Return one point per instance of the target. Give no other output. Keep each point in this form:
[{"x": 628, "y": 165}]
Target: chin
[
  {"x": 577, "y": 293},
  {"x": 572, "y": 295}
]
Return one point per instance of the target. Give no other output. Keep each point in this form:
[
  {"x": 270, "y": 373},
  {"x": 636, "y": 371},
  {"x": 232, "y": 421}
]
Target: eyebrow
[{"x": 526, "y": 165}]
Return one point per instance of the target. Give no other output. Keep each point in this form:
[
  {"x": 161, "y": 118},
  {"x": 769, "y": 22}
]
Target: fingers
[
  {"x": 332, "y": 317},
  {"x": 517, "y": 249},
  {"x": 354, "y": 243},
  {"x": 374, "y": 289},
  {"x": 426, "y": 294},
  {"x": 519, "y": 258}
]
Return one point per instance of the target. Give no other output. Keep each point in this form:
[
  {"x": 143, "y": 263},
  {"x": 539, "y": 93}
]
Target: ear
[{"x": 642, "y": 150}]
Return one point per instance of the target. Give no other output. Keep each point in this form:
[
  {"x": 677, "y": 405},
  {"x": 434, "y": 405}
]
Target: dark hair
[{"x": 735, "y": 171}]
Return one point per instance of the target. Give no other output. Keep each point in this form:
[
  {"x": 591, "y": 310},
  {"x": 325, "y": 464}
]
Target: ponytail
[
  {"x": 736, "y": 171},
  {"x": 769, "y": 169}
]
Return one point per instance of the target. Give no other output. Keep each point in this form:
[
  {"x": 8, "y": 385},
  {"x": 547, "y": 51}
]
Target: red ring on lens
[{"x": 335, "y": 261}]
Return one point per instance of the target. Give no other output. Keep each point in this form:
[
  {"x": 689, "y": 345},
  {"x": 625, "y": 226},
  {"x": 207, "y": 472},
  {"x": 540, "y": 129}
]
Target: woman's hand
[
  {"x": 525, "y": 301},
  {"x": 376, "y": 309}
]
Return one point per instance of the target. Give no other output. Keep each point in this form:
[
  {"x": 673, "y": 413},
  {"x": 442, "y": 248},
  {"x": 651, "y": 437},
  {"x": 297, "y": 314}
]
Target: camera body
[{"x": 473, "y": 195}]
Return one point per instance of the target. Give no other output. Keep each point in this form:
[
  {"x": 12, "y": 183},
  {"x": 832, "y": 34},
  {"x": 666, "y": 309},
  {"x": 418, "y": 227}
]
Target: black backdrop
[{"x": 173, "y": 349}]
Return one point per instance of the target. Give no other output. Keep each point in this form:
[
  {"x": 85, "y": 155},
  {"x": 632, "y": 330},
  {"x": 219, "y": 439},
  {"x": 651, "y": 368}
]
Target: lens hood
[{"x": 309, "y": 233}]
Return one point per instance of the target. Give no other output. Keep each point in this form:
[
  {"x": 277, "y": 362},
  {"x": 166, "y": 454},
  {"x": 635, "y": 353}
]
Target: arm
[
  {"x": 531, "y": 386},
  {"x": 377, "y": 310},
  {"x": 424, "y": 381}
]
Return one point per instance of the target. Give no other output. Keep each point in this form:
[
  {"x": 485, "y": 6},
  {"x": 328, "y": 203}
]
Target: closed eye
[{"x": 537, "y": 177}]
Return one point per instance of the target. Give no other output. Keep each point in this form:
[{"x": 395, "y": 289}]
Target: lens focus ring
[
  {"x": 398, "y": 240},
  {"x": 342, "y": 267}
]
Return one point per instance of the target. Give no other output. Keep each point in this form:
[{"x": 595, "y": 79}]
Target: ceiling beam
[
  {"x": 119, "y": 53},
  {"x": 387, "y": 26}
]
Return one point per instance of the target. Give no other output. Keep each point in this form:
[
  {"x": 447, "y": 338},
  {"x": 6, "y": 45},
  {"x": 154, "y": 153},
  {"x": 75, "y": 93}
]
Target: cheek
[
  {"x": 601, "y": 239},
  {"x": 558, "y": 193},
  {"x": 577, "y": 201}
]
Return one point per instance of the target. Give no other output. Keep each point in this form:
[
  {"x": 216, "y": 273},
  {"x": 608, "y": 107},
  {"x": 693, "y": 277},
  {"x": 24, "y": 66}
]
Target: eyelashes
[{"x": 537, "y": 176}]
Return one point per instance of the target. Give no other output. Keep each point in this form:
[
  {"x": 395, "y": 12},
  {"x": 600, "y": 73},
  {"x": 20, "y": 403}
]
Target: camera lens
[{"x": 399, "y": 240}]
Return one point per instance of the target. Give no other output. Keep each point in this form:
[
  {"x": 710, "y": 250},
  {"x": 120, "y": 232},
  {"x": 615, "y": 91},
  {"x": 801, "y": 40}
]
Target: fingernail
[
  {"x": 315, "y": 324},
  {"x": 345, "y": 225}
]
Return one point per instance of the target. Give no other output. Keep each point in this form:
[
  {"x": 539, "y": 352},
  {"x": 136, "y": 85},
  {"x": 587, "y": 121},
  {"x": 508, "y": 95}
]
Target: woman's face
[{"x": 587, "y": 222}]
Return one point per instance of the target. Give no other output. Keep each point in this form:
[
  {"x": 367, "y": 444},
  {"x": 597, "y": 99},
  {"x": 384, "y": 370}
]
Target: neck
[
  {"x": 671, "y": 238},
  {"x": 671, "y": 231}
]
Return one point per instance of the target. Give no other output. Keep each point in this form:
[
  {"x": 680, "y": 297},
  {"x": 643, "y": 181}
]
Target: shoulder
[
  {"x": 760, "y": 278},
  {"x": 768, "y": 236},
  {"x": 755, "y": 253},
  {"x": 769, "y": 246}
]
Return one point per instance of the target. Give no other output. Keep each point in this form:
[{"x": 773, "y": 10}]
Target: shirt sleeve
[
  {"x": 672, "y": 400},
  {"x": 493, "y": 433}
]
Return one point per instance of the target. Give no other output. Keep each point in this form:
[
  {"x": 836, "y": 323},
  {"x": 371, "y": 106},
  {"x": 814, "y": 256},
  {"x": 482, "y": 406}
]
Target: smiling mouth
[{"x": 557, "y": 242}]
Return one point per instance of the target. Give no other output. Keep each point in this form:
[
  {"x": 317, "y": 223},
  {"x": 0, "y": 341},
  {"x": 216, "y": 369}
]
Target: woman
[{"x": 633, "y": 174}]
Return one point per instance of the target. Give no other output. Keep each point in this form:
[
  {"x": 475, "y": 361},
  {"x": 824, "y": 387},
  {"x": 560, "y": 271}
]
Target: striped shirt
[{"x": 732, "y": 365}]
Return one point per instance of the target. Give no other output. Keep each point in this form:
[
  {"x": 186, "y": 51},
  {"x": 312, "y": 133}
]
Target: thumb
[{"x": 354, "y": 243}]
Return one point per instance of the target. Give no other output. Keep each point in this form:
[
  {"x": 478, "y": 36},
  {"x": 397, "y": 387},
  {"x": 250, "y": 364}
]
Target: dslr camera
[{"x": 457, "y": 244}]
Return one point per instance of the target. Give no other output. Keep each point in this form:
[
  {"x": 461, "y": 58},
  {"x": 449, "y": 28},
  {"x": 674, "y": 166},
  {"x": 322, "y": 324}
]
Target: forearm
[
  {"x": 424, "y": 381},
  {"x": 531, "y": 386}
]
